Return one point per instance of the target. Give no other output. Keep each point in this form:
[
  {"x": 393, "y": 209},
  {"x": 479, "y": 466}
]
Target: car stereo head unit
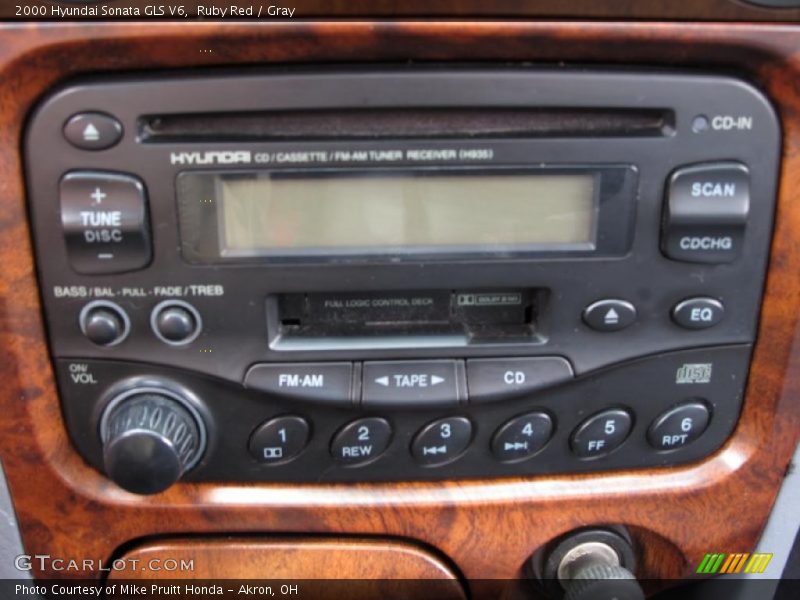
[{"x": 312, "y": 263}]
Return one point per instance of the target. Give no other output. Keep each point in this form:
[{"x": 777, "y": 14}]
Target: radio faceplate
[{"x": 124, "y": 188}]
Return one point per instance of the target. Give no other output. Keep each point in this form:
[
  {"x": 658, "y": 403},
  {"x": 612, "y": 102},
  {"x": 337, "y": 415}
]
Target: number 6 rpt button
[
  {"x": 600, "y": 434},
  {"x": 678, "y": 426}
]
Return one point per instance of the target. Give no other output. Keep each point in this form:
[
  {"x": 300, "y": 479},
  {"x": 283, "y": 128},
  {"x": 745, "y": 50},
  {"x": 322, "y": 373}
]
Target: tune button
[
  {"x": 522, "y": 436},
  {"x": 175, "y": 322},
  {"x": 279, "y": 439},
  {"x": 601, "y": 433},
  {"x": 361, "y": 441},
  {"x": 609, "y": 315},
  {"x": 104, "y": 323},
  {"x": 678, "y": 426},
  {"x": 441, "y": 441}
]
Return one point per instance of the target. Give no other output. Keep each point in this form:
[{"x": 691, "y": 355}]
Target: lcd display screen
[{"x": 413, "y": 212}]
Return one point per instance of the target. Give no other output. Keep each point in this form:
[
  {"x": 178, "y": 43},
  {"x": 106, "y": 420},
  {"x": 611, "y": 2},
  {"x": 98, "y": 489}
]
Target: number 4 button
[{"x": 522, "y": 437}]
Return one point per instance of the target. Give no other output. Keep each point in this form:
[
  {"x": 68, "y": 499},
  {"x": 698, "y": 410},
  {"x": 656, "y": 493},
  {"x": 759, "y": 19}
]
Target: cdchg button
[{"x": 706, "y": 212}]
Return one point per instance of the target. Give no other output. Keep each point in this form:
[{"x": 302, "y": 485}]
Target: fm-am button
[{"x": 331, "y": 383}]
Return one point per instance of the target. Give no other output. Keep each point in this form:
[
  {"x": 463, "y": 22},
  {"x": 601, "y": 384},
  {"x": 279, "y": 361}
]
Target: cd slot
[
  {"x": 399, "y": 123},
  {"x": 427, "y": 318}
]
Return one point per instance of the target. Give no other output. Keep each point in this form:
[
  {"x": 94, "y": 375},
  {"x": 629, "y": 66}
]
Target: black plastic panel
[
  {"x": 706, "y": 120},
  {"x": 646, "y": 388}
]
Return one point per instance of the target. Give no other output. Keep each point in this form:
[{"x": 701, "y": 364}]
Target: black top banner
[{"x": 271, "y": 10}]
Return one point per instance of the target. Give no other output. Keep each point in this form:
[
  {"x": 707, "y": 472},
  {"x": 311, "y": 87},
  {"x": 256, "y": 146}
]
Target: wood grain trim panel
[
  {"x": 293, "y": 558},
  {"x": 488, "y": 528}
]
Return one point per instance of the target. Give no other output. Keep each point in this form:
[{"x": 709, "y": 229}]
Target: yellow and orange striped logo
[{"x": 744, "y": 562}]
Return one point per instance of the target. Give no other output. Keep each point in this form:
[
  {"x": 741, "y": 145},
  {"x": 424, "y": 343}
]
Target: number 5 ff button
[
  {"x": 600, "y": 434},
  {"x": 678, "y": 426},
  {"x": 104, "y": 219}
]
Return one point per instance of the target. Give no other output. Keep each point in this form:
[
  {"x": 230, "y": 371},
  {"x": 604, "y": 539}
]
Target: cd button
[
  {"x": 279, "y": 439},
  {"x": 361, "y": 441},
  {"x": 698, "y": 313},
  {"x": 490, "y": 379},
  {"x": 93, "y": 131},
  {"x": 522, "y": 437},
  {"x": 404, "y": 383},
  {"x": 442, "y": 441},
  {"x": 316, "y": 382},
  {"x": 602, "y": 433},
  {"x": 609, "y": 315}
]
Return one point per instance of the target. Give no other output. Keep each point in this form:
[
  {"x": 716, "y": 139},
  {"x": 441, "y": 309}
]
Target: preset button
[
  {"x": 442, "y": 441},
  {"x": 678, "y": 426},
  {"x": 279, "y": 439},
  {"x": 361, "y": 441},
  {"x": 600, "y": 434},
  {"x": 522, "y": 436}
]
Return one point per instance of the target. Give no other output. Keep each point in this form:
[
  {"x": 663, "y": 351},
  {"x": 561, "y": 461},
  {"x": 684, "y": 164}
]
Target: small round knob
[
  {"x": 104, "y": 323},
  {"x": 175, "y": 322},
  {"x": 603, "y": 582},
  {"x": 150, "y": 440}
]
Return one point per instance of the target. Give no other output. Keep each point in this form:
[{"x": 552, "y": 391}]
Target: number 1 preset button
[
  {"x": 280, "y": 439},
  {"x": 361, "y": 441}
]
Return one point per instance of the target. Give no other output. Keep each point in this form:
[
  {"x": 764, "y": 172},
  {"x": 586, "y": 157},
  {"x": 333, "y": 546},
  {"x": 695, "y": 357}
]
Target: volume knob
[{"x": 150, "y": 440}]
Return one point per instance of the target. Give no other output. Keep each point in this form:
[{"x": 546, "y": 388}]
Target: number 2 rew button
[{"x": 361, "y": 441}]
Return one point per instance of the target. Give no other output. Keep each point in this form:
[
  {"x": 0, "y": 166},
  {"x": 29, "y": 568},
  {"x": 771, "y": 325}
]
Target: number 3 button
[
  {"x": 361, "y": 441},
  {"x": 442, "y": 441}
]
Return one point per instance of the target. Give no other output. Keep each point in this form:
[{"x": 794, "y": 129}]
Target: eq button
[
  {"x": 698, "y": 313},
  {"x": 413, "y": 382}
]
